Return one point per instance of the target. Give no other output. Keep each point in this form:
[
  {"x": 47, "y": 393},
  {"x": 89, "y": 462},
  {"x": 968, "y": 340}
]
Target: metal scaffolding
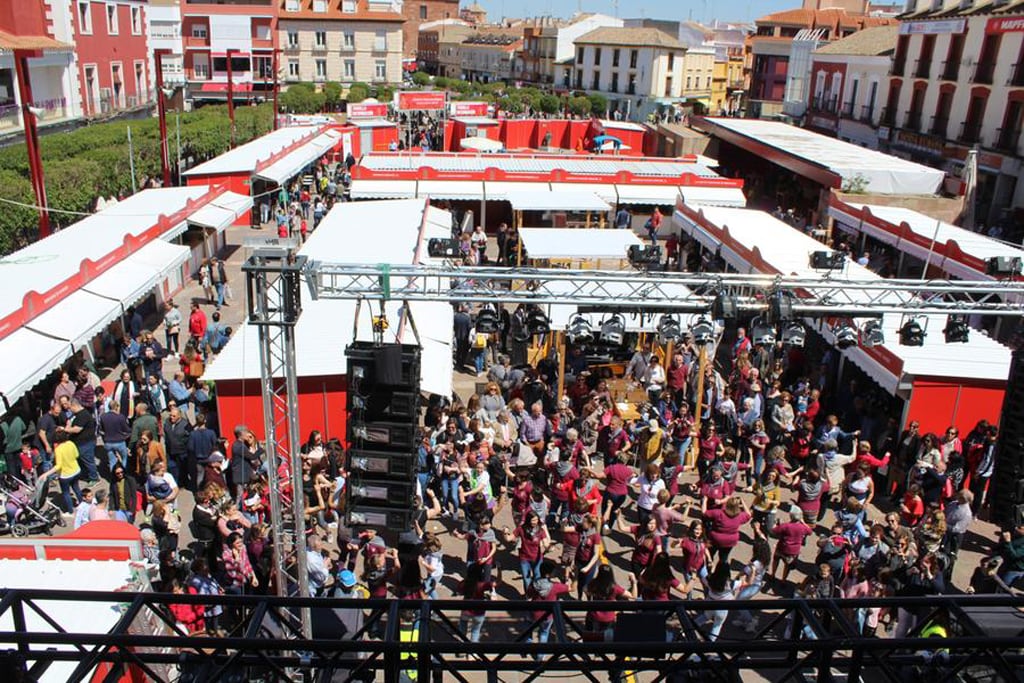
[{"x": 274, "y": 300}]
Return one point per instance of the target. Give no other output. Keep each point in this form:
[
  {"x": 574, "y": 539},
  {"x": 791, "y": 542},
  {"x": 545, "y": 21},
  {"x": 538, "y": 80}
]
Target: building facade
[
  {"x": 957, "y": 83},
  {"x": 165, "y": 34},
  {"x": 322, "y": 42},
  {"x": 418, "y": 12},
  {"x": 428, "y": 57},
  {"x": 489, "y": 57},
  {"x": 548, "y": 46},
  {"x": 639, "y": 70},
  {"x": 209, "y": 30},
  {"x": 115, "y": 62},
  {"x": 849, "y": 79}
]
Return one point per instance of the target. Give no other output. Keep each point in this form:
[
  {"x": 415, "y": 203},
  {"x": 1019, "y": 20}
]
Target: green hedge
[{"x": 91, "y": 161}]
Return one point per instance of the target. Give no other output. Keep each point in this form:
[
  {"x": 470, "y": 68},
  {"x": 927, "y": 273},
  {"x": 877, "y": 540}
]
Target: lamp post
[
  {"x": 28, "y": 117},
  {"x": 277, "y": 87},
  {"x": 231, "y": 95},
  {"x": 161, "y": 112}
]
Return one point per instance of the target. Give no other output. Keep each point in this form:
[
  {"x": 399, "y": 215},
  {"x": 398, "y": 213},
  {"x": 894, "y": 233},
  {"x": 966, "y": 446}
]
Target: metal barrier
[{"x": 423, "y": 640}]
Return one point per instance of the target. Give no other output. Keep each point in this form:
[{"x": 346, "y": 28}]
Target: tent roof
[
  {"x": 556, "y": 201},
  {"x": 245, "y": 158},
  {"x": 659, "y": 195},
  {"x": 382, "y": 189},
  {"x": 885, "y": 174},
  {"x": 451, "y": 189},
  {"x": 577, "y": 243},
  {"x": 222, "y": 211},
  {"x": 292, "y": 163},
  {"x": 714, "y": 196},
  {"x": 36, "y": 357},
  {"x": 594, "y": 165}
]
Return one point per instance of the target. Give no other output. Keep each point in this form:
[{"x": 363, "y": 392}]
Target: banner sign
[
  {"x": 420, "y": 101},
  {"x": 468, "y": 108},
  {"x": 362, "y": 110},
  {"x": 933, "y": 27},
  {"x": 1005, "y": 25}
]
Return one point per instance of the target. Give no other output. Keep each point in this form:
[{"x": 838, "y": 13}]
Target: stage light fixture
[
  {"x": 761, "y": 333},
  {"x": 1003, "y": 266},
  {"x": 794, "y": 334},
  {"x": 957, "y": 331},
  {"x": 912, "y": 333},
  {"x": 487, "y": 320},
  {"x": 780, "y": 306},
  {"x": 725, "y": 307},
  {"x": 438, "y": 247},
  {"x": 537, "y": 322},
  {"x": 827, "y": 260},
  {"x": 613, "y": 329},
  {"x": 703, "y": 332},
  {"x": 871, "y": 334},
  {"x": 643, "y": 256},
  {"x": 846, "y": 336},
  {"x": 669, "y": 329},
  {"x": 579, "y": 331}
]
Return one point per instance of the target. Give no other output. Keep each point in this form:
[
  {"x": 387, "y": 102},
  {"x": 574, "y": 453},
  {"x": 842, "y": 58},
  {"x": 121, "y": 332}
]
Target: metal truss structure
[
  {"x": 274, "y": 306},
  {"x": 829, "y": 295},
  {"x": 422, "y": 640}
]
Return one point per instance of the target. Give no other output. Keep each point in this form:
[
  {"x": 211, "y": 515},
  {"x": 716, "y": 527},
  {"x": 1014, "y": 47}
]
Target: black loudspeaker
[
  {"x": 1006, "y": 488},
  {"x": 646, "y": 627},
  {"x": 383, "y": 433}
]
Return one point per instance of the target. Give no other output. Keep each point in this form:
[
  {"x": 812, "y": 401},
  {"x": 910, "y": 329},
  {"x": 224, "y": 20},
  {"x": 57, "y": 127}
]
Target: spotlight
[
  {"x": 703, "y": 332},
  {"x": 911, "y": 333},
  {"x": 794, "y": 334},
  {"x": 827, "y": 260},
  {"x": 578, "y": 331},
  {"x": 644, "y": 256},
  {"x": 957, "y": 331},
  {"x": 846, "y": 336},
  {"x": 780, "y": 307},
  {"x": 438, "y": 247},
  {"x": 761, "y": 333},
  {"x": 537, "y": 322},
  {"x": 725, "y": 307},
  {"x": 613, "y": 330},
  {"x": 669, "y": 329},
  {"x": 871, "y": 334},
  {"x": 487, "y": 320},
  {"x": 1003, "y": 265}
]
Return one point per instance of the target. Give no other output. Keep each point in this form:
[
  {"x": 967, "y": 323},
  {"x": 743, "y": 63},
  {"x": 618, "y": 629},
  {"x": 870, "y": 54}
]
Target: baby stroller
[{"x": 28, "y": 509}]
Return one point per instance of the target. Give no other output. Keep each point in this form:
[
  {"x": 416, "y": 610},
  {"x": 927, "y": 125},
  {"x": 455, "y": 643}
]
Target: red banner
[
  {"x": 1005, "y": 25},
  {"x": 363, "y": 110},
  {"x": 421, "y": 101},
  {"x": 468, "y": 108}
]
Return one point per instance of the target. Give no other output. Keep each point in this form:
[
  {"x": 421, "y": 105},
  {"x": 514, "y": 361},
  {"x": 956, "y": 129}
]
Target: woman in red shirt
[
  {"x": 616, "y": 478},
  {"x": 912, "y": 507},
  {"x": 473, "y": 587},
  {"x": 648, "y": 543},
  {"x": 656, "y": 582},
  {"x": 725, "y": 523},
  {"x": 709, "y": 449},
  {"x": 694, "y": 550},
  {"x": 533, "y": 543},
  {"x": 588, "y": 554},
  {"x": 604, "y": 587}
]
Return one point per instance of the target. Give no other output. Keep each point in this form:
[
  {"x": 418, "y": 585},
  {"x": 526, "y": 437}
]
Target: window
[
  {"x": 112, "y": 19},
  {"x": 1009, "y": 134},
  {"x": 987, "y": 60},
  {"x": 423, "y": 12},
  {"x": 615, "y": 83},
  {"x": 632, "y": 59},
  {"x": 293, "y": 68},
  {"x": 140, "y": 81},
  {"x": 595, "y": 81},
  {"x": 671, "y": 60},
  {"x": 951, "y": 70},
  {"x": 84, "y": 18},
  {"x": 292, "y": 6},
  {"x": 900, "y": 59},
  {"x": 350, "y": 69},
  {"x": 321, "y": 69},
  {"x": 348, "y": 6},
  {"x": 615, "y": 57},
  {"x": 319, "y": 5},
  {"x": 688, "y": 83},
  {"x": 579, "y": 79},
  {"x": 201, "y": 66},
  {"x": 348, "y": 40},
  {"x": 913, "y": 120},
  {"x": 293, "y": 39},
  {"x": 199, "y": 31},
  {"x": 380, "y": 70},
  {"x": 264, "y": 67},
  {"x": 631, "y": 86},
  {"x": 579, "y": 55},
  {"x": 940, "y": 122},
  {"x": 320, "y": 39},
  {"x": 924, "y": 62},
  {"x": 136, "y": 21},
  {"x": 975, "y": 115},
  {"x": 668, "y": 87},
  {"x": 597, "y": 56},
  {"x": 380, "y": 41}
]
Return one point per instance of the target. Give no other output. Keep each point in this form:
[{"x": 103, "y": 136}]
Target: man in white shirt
[{"x": 316, "y": 565}]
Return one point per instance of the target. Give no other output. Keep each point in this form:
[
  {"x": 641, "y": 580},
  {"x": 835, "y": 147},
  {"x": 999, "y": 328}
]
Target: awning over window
[
  {"x": 78, "y": 318},
  {"x": 605, "y": 192},
  {"x": 557, "y": 201},
  {"x": 714, "y": 196},
  {"x": 655, "y": 195}
]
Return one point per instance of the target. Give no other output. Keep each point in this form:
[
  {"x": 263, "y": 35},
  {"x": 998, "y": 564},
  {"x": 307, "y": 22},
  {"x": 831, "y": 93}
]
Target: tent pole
[
  {"x": 561, "y": 366},
  {"x": 691, "y": 455}
]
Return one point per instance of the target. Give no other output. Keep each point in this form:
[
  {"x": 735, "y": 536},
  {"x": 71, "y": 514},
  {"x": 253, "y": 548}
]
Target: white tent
[
  {"x": 577, "y": 243},
  {"x": 481, "y": 144}
]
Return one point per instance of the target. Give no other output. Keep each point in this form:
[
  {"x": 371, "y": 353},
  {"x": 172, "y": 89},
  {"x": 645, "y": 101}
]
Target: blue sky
[{"x": 698, "y": 10}]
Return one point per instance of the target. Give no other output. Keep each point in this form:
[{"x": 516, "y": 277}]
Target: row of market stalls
[
  {"x": 399, "y": 234},
  {"x": 938, "y": 384},
  {"x": 67, "y": 294}
]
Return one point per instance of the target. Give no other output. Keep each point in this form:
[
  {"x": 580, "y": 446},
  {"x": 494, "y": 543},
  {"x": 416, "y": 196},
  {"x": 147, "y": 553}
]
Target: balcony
[
  {"x": 983, "y": 72},
  {"x": 197, "y": 41},
  {"x": 867, "y": 113},
  {"x": 1017, "y": 77},
  {"x": 923, "y": 68},
  {"x": 291, "y": 47},
  {"x": 319, "y": 47},
  {"x": 888, "y": 117},
  {"x": 970, "y": 132},
  {"x": 913, "y": 121},
  {"x": 263, "y": 43},
  {"x": 898, "y": 67},
  {"x": 292, "y": 78},
  {"x": 950, "y": 71},
  {"x": 829, "y": 105},
  {"x": 940, "y": 124},
  {"x": 1008, "y": 139},
  {"x": 847, "y": 111}
]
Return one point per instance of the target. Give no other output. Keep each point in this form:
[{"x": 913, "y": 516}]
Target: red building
[
  {"x": 209, "y": 30},
  {"x": 418, "y": 12},
  {"x": 115, "y": 68}
]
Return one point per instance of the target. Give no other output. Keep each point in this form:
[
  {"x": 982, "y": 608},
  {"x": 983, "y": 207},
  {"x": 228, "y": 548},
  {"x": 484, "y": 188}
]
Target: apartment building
[
  {"x": 419, "y": 12},
  {"x": 114, "y": 59},
  {"x": 339, "y": 40},
  {"x": 165, "y": 34},
  {"x": 489, "y": 57},
  {"x": 547, "y": 55},
  {"x": 432, "y": 34}
]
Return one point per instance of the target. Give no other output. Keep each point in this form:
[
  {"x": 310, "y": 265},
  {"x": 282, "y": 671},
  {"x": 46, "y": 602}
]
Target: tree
[
  {"x": 384, "y": 93},
  {"x": 441, "y": 82},
  {"x": 18, "y": 224},
  {"x": 549, "y": 104},
  {"x": 301, "y": 98},
  {"x": 332, "y": 95},
  {"x": 421, "y": 78},
  {"x": 580, "y": 106},
  {"x": 357, "y": 93},
  {"x": 598, "y": 104}
]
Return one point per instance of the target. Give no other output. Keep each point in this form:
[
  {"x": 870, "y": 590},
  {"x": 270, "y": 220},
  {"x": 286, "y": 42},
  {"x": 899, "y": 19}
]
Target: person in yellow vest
[{"x": 409, "y": 637}]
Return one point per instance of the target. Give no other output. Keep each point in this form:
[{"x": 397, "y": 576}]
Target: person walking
[{"x": 172, "y": 325}]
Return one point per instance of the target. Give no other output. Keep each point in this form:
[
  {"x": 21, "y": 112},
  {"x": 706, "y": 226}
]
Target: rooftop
[
  {"x": 873, "y": 41},
  {"x": 9, "y": 42},
  {"x": 810, "y": 18},
  {"x": 610, "y": 35},
  {"x": 335, "y": 12},
  {"x": 953, "y": 9}
]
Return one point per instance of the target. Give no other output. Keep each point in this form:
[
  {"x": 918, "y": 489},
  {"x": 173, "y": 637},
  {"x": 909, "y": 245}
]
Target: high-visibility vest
[
  {"x": 409, "y": 633},
  {"x": 934, "y": 630}
]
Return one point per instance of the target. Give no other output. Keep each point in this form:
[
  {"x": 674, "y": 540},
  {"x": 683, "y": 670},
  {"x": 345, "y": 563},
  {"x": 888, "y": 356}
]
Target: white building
[
  {"x": 165, "y": 34},
  {"x": 957, "y": 83},
  {"x": 639, "y": 70},
  {"x": 848, "y": 80}
]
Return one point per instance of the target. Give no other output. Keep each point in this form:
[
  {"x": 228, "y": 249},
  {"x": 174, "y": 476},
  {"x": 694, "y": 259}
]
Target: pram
[{"x": 32, "y": 512}]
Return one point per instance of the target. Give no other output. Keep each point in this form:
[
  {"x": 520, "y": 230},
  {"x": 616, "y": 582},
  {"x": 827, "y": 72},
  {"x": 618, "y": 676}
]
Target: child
[
  {"x": 84, "y": 508},
  {"x": 29, "y": 461},
  {"x": 188, "y": 618},
  {"x": 432, "y": 562}
]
